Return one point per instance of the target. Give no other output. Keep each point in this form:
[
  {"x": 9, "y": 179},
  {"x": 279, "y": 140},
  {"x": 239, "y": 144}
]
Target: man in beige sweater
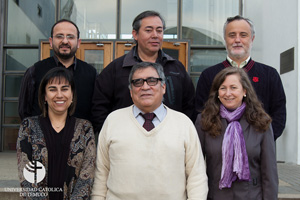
[{"x": 153, "y": 159}]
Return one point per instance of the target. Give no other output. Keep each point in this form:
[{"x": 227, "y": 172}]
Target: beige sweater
[{"x": 163, "y": 164}]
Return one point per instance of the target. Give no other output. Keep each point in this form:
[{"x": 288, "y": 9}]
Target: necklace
[
  {"x": 57, "y": 121},
  {"x": 60, "y": 125}
]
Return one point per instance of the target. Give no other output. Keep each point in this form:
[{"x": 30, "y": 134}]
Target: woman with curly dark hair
[{"x": 237, "y": 140}]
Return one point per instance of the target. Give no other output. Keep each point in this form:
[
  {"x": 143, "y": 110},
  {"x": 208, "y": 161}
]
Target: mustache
[
  {"x": 237, "y": 45},
  {"x": 64, "y": 46}
]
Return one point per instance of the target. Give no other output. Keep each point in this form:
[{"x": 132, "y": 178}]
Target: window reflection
[
  {"x": 11, "y": 115},
  {"x": 202, "y": 59},
  {"x": 20, "y": 59},
  {"x": 203, "y": 20},
  {"x": 28, "y": 24},
  {"x": 174, "y": 53},
  {"x": 12, "y": 85},
  {"x": 96, "y": 19},
  {"x": 168, "y": 10},
  {"x": 95, "y": 58}
]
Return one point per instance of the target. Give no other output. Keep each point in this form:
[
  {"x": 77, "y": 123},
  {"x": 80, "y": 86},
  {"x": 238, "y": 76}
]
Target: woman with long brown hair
[{"x": 237, "y": 140}]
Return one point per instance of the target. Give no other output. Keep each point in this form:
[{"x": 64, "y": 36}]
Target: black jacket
[{"x": 111, "y": 87}]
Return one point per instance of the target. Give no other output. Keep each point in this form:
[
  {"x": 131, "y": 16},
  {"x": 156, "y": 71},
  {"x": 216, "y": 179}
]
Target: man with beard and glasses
[
  {"x": 65, "y": 41},
  {"x": 239, "y": 35}
]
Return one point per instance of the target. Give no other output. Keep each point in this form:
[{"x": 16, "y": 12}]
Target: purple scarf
[{"x": 234, "y": 156}]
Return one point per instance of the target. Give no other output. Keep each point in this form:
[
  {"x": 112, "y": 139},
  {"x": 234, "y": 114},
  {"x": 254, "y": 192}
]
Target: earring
[
  {"x": 245, "y": 95},
  {"x": 218, "y": 97},
  {"x": 45, "y": 102}
]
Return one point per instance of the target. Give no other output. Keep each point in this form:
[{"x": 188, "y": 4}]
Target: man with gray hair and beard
[{"x": 147, "y": 150}]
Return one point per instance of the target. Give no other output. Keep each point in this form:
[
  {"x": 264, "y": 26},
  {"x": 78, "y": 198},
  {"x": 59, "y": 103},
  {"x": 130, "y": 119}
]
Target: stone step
[
  {"x": 289, "y": 197},
  {"x": 9, "y": 195}
]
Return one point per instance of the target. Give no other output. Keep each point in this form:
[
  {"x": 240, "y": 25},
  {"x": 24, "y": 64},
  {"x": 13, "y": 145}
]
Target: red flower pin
[{"x": 255, "y": 79}]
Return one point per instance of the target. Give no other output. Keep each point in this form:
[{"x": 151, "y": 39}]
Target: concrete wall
[{"x": 276, "y": 23}]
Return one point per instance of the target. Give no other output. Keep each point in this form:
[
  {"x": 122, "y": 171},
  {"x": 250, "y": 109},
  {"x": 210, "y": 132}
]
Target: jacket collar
[{"x": 132, "y": 58}]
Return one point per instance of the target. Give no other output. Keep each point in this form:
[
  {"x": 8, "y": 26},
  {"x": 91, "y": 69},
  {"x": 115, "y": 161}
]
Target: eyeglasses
[
  {"x": 151, "y": 81},
  {"x": 61, "y": 37}
]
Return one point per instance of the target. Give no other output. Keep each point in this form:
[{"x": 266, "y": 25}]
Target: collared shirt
[
  {"x": 72, "y": 67},
  {"x": 234, "y": 64},
  {"x": 160, "y": 113}
]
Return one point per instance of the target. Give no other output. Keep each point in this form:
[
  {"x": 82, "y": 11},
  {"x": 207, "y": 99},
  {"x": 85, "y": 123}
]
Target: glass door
[
  {"x": 97, "y": 53},
  {"x": 177, "y": 49}
]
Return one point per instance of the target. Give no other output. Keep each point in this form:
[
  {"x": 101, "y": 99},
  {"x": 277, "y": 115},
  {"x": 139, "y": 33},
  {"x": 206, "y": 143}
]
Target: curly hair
[{"x": 254, "y": 112}]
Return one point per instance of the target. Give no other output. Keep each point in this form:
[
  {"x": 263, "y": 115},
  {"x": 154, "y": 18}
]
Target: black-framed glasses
[
  {"x": 61, "y": 37},
  {"x": 151, "y": 81}
]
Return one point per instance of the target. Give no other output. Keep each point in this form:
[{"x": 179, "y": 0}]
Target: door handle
[{"x": 128, "y": 45}]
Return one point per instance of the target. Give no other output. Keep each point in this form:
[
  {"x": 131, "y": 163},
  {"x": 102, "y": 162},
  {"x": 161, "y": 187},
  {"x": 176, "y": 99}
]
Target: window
[
  {"x": 96, "y": 19},
  {"x": 167, "y": 8},
  {"x": 29, "y": 22}
]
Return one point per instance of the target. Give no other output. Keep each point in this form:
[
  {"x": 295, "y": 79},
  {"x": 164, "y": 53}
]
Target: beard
[
  {"x": 238, "y": 55},
  {"x": 245, "y": 52},
  {"x": 65, "y": 55}
]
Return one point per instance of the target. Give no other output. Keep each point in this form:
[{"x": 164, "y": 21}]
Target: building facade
[
  {"x": 277, "y": 30},
  {"x": 24, "y": 24}
]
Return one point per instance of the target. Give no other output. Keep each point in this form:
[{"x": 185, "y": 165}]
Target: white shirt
[{"x": 234, "y": 64}]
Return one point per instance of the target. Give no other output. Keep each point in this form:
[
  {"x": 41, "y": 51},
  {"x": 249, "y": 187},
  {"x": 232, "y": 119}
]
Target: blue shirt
[{"x": 160, "y": 114}]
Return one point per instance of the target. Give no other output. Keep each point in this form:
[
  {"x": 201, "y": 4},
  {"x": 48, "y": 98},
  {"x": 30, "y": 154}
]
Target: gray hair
[
  {"x": 238, "y": 17},
  {"x": 144, "y": 65}
]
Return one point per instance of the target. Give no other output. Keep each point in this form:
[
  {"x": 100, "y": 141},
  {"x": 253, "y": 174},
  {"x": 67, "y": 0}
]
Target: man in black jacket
[
  {"x": 65, "y": 41},
  {"x": 111, "y": 87}
]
